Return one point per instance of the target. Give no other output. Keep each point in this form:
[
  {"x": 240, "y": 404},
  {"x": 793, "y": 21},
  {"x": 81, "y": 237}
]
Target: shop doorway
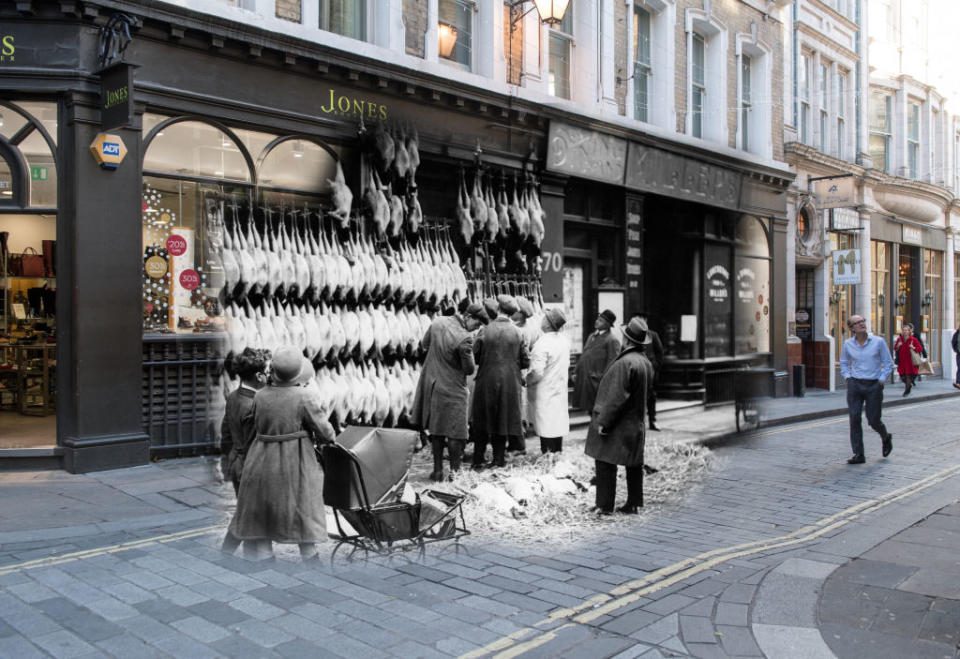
[
  {"x": 28, "y": 283},
  {"x": 906, "y": 274}
]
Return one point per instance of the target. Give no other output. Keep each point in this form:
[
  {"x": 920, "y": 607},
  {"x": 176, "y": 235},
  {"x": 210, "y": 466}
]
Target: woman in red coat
[{"x": 902, "y": 348}]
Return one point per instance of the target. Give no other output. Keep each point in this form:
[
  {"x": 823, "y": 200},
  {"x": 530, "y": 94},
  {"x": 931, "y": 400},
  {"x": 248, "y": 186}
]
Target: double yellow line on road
[{"x": 590, "y": 610}]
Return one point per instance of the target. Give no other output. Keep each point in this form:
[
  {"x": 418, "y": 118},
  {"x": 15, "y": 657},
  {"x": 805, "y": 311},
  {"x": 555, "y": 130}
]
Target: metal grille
[{"x": 182, "y": 400}]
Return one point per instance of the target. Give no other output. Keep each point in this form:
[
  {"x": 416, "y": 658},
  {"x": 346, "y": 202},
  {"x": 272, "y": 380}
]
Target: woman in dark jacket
[
  {"x": 501, "y": 354},
  {"x": 616, "y": 435},
  {"x": 281, "y": 490}
]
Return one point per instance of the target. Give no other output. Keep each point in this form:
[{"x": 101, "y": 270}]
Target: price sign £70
[{"x": 551, "y": 261}]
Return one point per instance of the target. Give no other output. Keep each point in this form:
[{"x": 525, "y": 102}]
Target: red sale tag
[
  {"x": 189, "y": 279},
  {"x": 176, "y": 245}
]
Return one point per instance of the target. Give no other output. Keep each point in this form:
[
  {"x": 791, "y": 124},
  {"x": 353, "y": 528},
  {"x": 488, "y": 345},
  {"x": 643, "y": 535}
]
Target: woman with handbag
[{"x": 907, "y": 356}]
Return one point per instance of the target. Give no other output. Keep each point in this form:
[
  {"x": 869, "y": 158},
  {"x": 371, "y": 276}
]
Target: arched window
[
  {"x": 297, "y": 165},
  {"x": 28, "y": 132},
  {"x": 197, "y": 149},
  {"x": 752, "y": 301}
]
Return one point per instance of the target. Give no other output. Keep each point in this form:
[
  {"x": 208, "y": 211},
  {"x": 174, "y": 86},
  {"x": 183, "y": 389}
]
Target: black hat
[
  {"x": 609, "y": 316},
  {"x": 637, "y": 332}
]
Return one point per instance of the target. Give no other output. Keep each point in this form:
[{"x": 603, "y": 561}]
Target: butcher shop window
[
  {"x": 344, "y": 17},
  {"x": 455, "y": 32},
  {"x": 752, "y": 287},
  {"x": 561, "y": 47}
]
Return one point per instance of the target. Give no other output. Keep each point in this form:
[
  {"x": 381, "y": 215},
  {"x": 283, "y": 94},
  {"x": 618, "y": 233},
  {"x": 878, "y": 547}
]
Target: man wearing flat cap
[
  {"x": 500, "y": 354},
  {"x": 600, "y": 350},
  {"x": 440, "y": 403},
  {"x": 616, "y": 435}
]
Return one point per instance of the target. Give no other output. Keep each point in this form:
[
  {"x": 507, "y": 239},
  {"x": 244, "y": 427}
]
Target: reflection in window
[
  {"x": 752, "y": 296},
  {"x": 456, "y": 31},
  {"x": 344, "y": 17},
  {"x": 298, "y": 165},
  {"x": 193, "y": 148},
  {"x": 560, "y": 52}
]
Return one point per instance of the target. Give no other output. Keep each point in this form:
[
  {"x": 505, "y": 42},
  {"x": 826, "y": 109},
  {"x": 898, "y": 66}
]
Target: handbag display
[
  {"x": 916, "y": 357},
  {"x": 31, "y": 263}
]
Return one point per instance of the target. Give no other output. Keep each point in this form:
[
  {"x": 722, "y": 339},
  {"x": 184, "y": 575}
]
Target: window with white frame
[
  {"x": 344, "y": 17},
  {"x": 841, "y": 105},
  {"x": 881, "y": 106},
  {"x": 934, "y": 165},
  {"x": 746, "y": 100},
  {"x": 561, "y": 43},
  {"x": 913, "y": 139},
  {"x": 641, "y": 63},
  {"x": 803, "y": 93},
  {"x": 455, "y": 32},
  {"x": 824, "y": 108},
  {"x": 699, "y": 84}
]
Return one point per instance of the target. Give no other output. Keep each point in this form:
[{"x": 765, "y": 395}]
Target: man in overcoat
[
  {"x": 600, "y": 350},
  {"x": 654, "y": 352},
  {"x": 501, "y": 354},
  {"x": 616, "y": 435},
  {"x": 440, "y": 404}
]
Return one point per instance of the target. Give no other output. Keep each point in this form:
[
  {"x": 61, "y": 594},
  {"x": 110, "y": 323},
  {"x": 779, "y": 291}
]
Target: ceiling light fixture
[
  {"x": 297, "y": 149},
  {"x": 447, "y": 39}
]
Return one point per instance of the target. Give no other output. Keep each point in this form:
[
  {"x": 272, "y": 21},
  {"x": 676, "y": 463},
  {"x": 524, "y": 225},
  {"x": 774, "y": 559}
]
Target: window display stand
[{"x": 36, "y": 381}]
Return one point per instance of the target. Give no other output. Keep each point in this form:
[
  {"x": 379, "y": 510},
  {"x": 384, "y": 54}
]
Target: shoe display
[
  {"x": 888, "y": 444},
  {"x": 856, "y": 460}
]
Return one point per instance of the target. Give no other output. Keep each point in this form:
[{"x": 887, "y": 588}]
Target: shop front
[
  {"x": 166, "y": 262},
  {"x": 695, "y": 237}
]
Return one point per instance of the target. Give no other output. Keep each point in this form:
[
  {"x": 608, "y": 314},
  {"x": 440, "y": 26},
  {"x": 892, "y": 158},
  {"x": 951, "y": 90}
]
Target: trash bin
[{"x": 799, "y": 380}]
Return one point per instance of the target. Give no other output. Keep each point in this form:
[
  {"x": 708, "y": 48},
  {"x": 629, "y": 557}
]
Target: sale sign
[
  {"x": 189, "y": 279},
  {"x": 176, "y": 245}
]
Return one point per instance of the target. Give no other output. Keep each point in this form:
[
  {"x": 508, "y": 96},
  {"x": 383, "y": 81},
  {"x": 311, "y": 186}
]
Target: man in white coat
[{"x": 547, "y": 382}]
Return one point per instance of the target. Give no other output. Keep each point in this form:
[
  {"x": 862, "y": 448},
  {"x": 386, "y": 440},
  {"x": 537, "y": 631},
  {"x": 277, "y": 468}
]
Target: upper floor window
[
  {"x": 746, "y": 102},
  {"x": 641, "y": 63},
  {"x": 561, "y": 42},
  {"x": 345, "y": 17},
  {"x": 824, "y": 108},
  {"x": 699, "y": 84},
  {"x": 881, "y": 105},
  {"x": 913, "y": 139},
  {"x": 803, "y": 93},
  {"x": 841, "y": 105},
  {"x": 456, "y": 32}
]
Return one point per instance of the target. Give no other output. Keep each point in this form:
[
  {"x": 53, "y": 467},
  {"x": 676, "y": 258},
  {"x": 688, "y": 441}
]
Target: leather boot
[
  {"x": 436, "y": 443},
  {"x": 499, "y": 451},
  {"x": 4, "y": 252},
  {"x": 455, "y": 448}
]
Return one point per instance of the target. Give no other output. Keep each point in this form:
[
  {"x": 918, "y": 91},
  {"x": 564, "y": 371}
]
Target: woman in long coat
[
  {"x": 547, "y": 383},
  {"x": 281, "y": 490},
  {"x": 440, "y": 403},
  {"x": 903, "y": 348},
  {"x": 500, "y": 354},
  {"x": 617, "y": 433}
]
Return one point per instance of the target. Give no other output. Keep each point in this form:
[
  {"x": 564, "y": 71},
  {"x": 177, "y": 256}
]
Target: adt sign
[{"x": 108, "y": 150}]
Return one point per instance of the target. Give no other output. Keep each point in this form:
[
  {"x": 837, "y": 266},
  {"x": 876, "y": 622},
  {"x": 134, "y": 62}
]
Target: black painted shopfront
[
  {"x": 686, "y": 236},
  {"x": 222, "y": 119}
]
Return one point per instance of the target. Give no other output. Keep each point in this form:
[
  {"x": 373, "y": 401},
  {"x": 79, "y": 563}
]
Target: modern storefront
[
  {"x": 248, "y": 143},
  {"x": 685, "y": 236}
]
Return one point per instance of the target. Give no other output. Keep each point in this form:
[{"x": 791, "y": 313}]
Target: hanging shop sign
[
  {"x": 108, "y": 150},
  {"x": 846, "y": 266},
  {"x": 912, "y": 235},
  {"x": 844, "y": 219},
  {"x": 116, "y": 96},
  {"x": 655, "y": 170},
  {"x": 835, "y": 192},
  {"x": 586, "y": 153}
]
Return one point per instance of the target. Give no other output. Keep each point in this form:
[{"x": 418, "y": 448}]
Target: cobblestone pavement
[{"x": 783, "y": 551}]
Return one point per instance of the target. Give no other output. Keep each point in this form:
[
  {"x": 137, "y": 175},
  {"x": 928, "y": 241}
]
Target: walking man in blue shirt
[{"x": 865, "y": 363}]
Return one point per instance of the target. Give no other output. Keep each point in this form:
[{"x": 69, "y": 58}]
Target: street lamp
[
  {"x": 551, "y": 12},
  {"x": 927, "y": 299},
  {"x": 447, "y": 39}
]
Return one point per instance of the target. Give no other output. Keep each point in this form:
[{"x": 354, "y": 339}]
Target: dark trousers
[
  {"x": 862, "y": 393},
  {"x": 499, "y": 443},
  {"x": 652, "y": 402},
  {"x": 607, "y": 485},
  {"x": 958, "y": 368},
  {"x": 551, "y": 444}
]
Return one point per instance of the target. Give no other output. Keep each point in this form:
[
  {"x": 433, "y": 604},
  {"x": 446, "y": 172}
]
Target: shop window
[
  {"x": 932, "y": 302},
  {"x": 43, "y": 171},
  {"x": 879, "y": 287},
  {"x": 344, "y": 17},
  {"x": 881, "y": 106},
  {"x": 30, "y": 128},
  {"x": 455, "y": 32},
  {"x": 299, "y": 165},
  {"x": 956, "y": 291},
  {"x": 11, "y": 123},
  {"x": 193, "y": 148},
  {"x": 752, "y": 296},
  {"x": 641, "y": 63},
  {"x": 717, "y": 314},
  {"x": 6, "y": 181},
  {"x": 841, "y": 298},
  {"x": 561, "y": 46}
]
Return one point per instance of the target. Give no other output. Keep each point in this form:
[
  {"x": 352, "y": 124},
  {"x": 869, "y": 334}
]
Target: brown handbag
[{"x": 31, "y": 263}]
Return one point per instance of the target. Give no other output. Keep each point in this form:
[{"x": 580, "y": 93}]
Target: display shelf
[{"x": 25, "y": 277}]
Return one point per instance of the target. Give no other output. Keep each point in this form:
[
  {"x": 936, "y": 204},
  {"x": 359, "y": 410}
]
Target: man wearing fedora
[
  {"x": 653, "y": 349},
  {"x": 600, "y": 350},
  {"x": 440, "y": 404},
  {"x": 617, "y": 434}
]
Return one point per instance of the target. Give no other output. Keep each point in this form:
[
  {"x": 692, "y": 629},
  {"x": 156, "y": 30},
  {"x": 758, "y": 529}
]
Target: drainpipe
[
  {"x": 796, "y": 59},
  {"x": 858, "y": 35}
]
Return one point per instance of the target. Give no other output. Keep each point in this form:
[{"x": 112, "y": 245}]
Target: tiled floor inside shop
[{"x": 21, "y": 431}]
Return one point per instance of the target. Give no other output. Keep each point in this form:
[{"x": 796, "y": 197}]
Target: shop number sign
[
  {"x": 176, "y": 245},
  {"x": 189, "y": 279}
]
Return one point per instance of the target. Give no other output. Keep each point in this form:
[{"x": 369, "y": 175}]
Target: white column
[
  {"x": 310, "y": 15},
  {"x": 865, "y": 289},
  {"x": 430, "y": 38},
  {"x": 791, "y": 258},
  {"x": 607, "y": 92},
  {"x": 949, "y": 305},
  {"x": 488, "y": 41}
]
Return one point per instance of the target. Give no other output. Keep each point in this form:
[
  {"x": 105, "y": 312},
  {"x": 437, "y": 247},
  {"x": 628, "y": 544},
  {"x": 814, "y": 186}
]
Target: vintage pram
[{"x": 365, "y": 472}]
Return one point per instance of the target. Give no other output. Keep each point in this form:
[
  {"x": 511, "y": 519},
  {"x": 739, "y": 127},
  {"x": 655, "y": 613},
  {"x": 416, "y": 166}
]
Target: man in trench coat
[
  {"x": 600, "y": 350},
  {"x": 616, "y": 435},
  {"x": 501, "y": 354},
  {"x": 440, "y": 403}
]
